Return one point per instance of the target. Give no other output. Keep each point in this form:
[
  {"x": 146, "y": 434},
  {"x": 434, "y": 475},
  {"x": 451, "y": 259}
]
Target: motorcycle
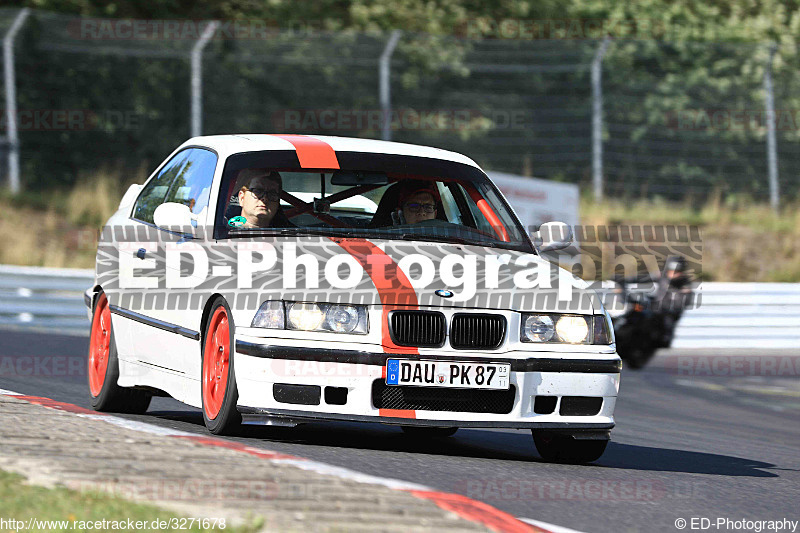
[{"x": 646, "y": 321}]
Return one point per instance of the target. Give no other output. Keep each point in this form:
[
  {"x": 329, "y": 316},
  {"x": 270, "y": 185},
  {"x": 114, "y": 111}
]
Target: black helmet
[{"x": 676, "y": 263}]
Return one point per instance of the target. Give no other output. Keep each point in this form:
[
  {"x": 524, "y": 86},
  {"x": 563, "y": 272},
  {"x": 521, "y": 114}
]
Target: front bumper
[{"x": 261, "y": 363}]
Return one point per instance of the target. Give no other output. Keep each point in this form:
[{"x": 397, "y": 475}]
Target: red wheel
[
  {"x": 216, "y": 362},
  {"x": 99, "y": 345},
  {"x": 103, "y": 367},
  {"x": 218, "y": 380}
]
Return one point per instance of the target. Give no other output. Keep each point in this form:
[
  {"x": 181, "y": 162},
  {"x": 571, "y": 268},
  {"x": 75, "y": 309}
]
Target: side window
[
  {"x": 185, "y": 179},
  {"x": 192, "y": 184},
  {"x": 483, "y": 224},
  {"x": 451, "y": 206}
]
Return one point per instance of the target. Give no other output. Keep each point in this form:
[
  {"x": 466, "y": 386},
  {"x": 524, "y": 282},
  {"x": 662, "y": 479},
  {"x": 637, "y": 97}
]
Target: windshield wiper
[
  {"x": 281, "y": 232},
  {"x": 459, "y": 240},
  {"x": 327, "y": 232},
  {"x": 442, "y": 238}
]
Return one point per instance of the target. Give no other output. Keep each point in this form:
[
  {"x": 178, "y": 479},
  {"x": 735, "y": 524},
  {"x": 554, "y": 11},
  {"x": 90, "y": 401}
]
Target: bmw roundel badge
[{"x": 444, "y": 293}]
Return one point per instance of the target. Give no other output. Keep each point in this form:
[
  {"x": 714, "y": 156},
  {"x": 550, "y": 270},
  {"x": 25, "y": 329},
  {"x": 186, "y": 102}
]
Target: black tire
[
  {"x": 112, "y": 397},
  {"x": 228, "y": 420},
  {"x": 560, "y": 448},
  {"x": 427, "y": 432}
]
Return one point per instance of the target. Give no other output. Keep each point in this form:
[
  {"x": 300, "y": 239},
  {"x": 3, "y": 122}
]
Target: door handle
[{"x": 140, "y": 253}]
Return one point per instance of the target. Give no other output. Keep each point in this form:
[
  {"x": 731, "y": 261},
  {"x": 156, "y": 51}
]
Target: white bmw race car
[{"x": 283, "y": 279}]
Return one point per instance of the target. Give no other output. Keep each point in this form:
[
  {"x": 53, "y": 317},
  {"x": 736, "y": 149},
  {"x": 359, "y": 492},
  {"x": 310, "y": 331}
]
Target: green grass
[
  {"x": 743, "y": 212},
  {"x": 20, "y": 501}
]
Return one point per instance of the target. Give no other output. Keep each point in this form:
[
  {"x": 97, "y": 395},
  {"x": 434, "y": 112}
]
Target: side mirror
[
  {"x": 175, "y": 217},
  {"x": 552, "y": 236}
]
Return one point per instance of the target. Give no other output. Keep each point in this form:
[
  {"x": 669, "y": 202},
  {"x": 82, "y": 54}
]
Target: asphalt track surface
[{"x": 684, "y": 446}]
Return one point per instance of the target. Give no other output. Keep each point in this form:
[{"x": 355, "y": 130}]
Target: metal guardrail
[
  {"x": 742, "y": 315},
  {"x": 44, "y": 298},
  {"x": 738, "y": 315},
  {"x": 730, "y": 315}
]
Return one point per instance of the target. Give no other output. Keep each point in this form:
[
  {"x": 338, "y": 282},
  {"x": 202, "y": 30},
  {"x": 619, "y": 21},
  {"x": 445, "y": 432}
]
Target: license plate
[{"x": 448, "y": 374}]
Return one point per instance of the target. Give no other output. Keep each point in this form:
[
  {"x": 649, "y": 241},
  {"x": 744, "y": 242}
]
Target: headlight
[
  {"x": 310, "y": 316},
  {"x": 537, "y": 328},
  {"x": 305, "y": 316},
  {"x": 342, "y": 318},
  {"x": 568, "y": 329},
  {"x": 573, "y": 329},
  {"x": 269, "y": 315}
]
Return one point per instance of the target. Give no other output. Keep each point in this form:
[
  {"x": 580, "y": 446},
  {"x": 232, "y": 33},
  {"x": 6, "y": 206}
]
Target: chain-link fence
[{"x": 680, "y": 120}]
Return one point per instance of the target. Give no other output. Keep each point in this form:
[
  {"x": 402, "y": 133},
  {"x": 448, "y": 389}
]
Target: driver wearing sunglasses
[
  {"x": 418, "y": 205},
  {"x": 260, "y": 199}
]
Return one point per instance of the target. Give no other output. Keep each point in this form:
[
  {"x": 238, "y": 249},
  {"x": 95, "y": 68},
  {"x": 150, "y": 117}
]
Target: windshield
[{"x": 444, "y": 204}]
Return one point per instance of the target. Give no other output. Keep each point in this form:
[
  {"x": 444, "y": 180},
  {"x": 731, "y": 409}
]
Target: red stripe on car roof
[{"x": 312, "y": 152}]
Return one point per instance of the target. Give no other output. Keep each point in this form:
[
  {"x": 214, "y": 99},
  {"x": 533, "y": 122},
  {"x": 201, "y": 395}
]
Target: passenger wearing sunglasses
[
  {"x": 260, "y": 199},
  {"x": 418, "y": 205}
]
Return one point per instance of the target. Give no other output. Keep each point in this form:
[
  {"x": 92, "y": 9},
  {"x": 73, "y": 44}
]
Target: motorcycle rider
[{"x": 673, "y": 295}]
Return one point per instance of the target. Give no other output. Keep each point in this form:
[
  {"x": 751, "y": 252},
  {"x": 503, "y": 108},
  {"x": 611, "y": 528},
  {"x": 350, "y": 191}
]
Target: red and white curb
[
  {"x": 544, "y": 526},
  {"x": 467, "y": 508}
]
